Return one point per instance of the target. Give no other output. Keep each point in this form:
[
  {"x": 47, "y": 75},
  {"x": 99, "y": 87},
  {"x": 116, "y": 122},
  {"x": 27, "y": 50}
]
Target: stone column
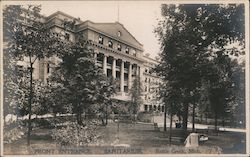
[
  {"x": 114, "y": 68},
  {"x": 95, "y": 57},
  {"x": 104, "y": 64},
  {"x": 122, "y": 76},
  {"x": 130, "y": 75}
]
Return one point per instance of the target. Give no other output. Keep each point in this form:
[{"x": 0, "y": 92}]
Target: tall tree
[
  {"x": 191, "y": 37},
  {"x": 136, "y": 94},
  {"x": 27, "y": 37},
  {"x": 83, "y": 80}
]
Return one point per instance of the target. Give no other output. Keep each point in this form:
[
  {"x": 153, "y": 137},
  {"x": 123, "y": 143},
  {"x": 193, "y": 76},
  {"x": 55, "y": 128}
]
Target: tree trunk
[
  {"x": 201, "y": 118},
  {"x": 106, "y": 105},
  {"x": 165, "y": 118},
  {"x": 215, "y": 121},
  {"x": 30, "y": 103},
  {"x": 185, "y": 117},
  {"x": 206, "y": 119},
  {"x": 223, "y": 122},
  {"x": 78, "y": 117},
  {"x": 193, "y": 118},
  {"x": 170, "y": 130}
]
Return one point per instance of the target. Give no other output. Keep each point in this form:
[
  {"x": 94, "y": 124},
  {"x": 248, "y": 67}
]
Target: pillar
[
  {"x": 104, "y": 64},
  {"x": 130, "y": 75},
  {"x": 95, "y": 57},
  {"x": 114, "y": 68},
  {"x": 122, "y": 76}
]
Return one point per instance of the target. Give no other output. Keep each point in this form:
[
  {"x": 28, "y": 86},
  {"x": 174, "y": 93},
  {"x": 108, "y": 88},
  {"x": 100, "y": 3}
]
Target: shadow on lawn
[{"x": 143, "y": 136}]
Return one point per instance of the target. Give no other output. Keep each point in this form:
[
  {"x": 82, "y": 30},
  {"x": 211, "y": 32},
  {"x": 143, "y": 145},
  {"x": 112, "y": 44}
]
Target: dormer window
[
  {"x": 119, "y": 47},
  {"x": 127, "y": 50},
  {"x": 118, "y": 33},
  {"x": 133, "y": 52},
  {"x": 110, "y": 44},
  {"x": 100, "y": 39}
]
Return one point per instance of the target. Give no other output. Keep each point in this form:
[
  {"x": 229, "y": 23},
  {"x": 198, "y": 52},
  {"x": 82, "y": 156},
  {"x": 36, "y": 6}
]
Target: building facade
[{"x": 117, "y": 53}]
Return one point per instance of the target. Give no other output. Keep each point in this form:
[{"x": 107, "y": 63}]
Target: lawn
[{"x": 130, "y": 139}]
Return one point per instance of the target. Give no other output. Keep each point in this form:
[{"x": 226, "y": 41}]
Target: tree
[
  {"x": 191, "y": 38},
  {"x": 83, "y": 81},
  {"x": 105, "y": 89},
  {"x": 172, "y": 102},
  {"x": 28, "y": 38},
  {"x": 136, "y": 93},
  {"x": 238, "y": 109}
]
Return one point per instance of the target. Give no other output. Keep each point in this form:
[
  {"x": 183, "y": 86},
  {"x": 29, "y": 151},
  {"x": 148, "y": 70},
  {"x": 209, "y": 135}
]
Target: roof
[
  {"x": 113, "y": 28},
  {"x": 110, "y": 29}
]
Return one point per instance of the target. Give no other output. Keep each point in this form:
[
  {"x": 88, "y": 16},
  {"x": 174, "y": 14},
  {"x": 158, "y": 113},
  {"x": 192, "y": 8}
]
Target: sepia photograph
[{"x": 125, "y": 78}]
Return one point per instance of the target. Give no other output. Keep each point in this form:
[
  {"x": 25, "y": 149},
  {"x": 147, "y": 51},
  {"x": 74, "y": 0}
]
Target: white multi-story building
[{"x": 116, "y": 51}]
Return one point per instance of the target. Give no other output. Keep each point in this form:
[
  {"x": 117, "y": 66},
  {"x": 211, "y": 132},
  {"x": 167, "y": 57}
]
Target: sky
[{"x": 139, "y": 18}]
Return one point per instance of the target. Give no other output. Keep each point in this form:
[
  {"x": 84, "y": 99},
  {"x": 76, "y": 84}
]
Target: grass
[{"x": 143, "y": 137}]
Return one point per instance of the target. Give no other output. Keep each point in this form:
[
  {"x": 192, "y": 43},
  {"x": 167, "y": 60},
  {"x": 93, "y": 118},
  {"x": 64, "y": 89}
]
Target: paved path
[{"x": 159, "y": 120}]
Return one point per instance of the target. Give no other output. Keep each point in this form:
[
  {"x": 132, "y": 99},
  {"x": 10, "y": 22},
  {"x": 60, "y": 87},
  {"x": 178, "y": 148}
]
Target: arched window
[
  {"x": 110, "y": 44},
  {"x": 100, "y": 39}
]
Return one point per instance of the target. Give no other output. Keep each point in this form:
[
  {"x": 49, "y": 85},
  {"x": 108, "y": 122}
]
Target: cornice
[{"x": 112, "y": 37}]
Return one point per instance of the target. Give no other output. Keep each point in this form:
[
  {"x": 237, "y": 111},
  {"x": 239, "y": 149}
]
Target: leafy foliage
[
  {"x": 79, "y": 77},
  {"x": 77, "y": 135},
  {"x": 136, "y": 94},
  {"x": 198, "y": 42},
  {"x": 28, "y": 38}
]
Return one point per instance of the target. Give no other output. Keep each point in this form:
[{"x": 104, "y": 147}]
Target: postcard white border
[{"x": 247, "y": 73}]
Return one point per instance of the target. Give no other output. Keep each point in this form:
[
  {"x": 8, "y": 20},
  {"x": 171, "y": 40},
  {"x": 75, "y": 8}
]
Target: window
[
  {"x": 119, "y": 47},
  {"x": 118, "y": 33},
  {"x": 100, "y": 39},
  {"x": 126, "y": 89},
  {"x": 150, "y": 108},
  {"x": 162, "y": 108},
  {"x": 159, "y": 108},
  {"x": 48, "y": 67},
  {"x": 110, "y": 44},
  {"x": 146, "y": 79},
  {"x": 127, "y": 50},
  {"x": 67, "y": 36},
  {"x": 145, "y": 107},
  {"x": 133, "y": 52},
  {"x": 47, "y": 80},
  {"x": 146, "y": 88}
]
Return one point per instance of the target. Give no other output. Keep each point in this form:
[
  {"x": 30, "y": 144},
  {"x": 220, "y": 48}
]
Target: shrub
[
  {"x": 77, "y": 135},
  {"x": 12, "y": 134},
  {"x": 144, "y": 117}
]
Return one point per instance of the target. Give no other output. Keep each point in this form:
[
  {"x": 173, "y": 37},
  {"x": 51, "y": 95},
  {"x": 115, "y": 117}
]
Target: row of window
[
  {"x": 148, "y": 97},
  {"x": 119, "y": 46},
  {"x": 153, "y": 108},
  {"x": 151, "y": 89},
  {"x": 148, "y": 80}
]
